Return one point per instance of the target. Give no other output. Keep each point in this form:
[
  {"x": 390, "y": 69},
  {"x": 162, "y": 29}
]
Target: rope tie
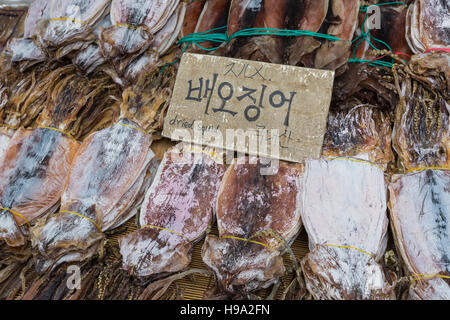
[
  {"x": 428, "y": 168},
  {"x": 248, "y": 240},
  {"x": 16, "y": 214},
  {"x": 356, "y": 160},
  {"x": 67, "y": 19},
  {"x": 58, "y": 130},
  {"x": 438, "y": 49},
  {"x": 129, "y": 26},
  {"x": 132, "y": 127},
  {"x": 223, "y": 37},
  {"x": 161, "y": 228},
  {"x": 349, "y": 247},
  {"x": 427, "y": 276},
  {"x": 84, "y": 217}
]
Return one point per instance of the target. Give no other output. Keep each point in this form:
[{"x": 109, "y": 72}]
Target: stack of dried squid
[
  {"x": 419, "y": 199},
  {"x": 335, "y": 18},
  {"x": 106, "y": 183},
  {"x": 130, "y": 35},
  {"x": 141, "y": 32},
  {"x": 35, "y": 162},
  {"x": 102, "y": 182},
  {"x": 54, "y": 29}
]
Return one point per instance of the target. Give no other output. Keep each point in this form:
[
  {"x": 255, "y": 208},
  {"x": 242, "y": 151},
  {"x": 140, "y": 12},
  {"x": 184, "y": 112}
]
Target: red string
[
  {"x": 402, "y": 54},
  {"x": 438, "y": 49},
  {"x": 375, "y": 59}
]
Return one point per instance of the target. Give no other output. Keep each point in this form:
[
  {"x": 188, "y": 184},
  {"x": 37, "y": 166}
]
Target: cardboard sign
[{"x": 262, "y": 109}]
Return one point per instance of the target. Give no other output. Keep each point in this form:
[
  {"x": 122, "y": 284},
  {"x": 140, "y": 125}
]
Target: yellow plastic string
[
  {"x": 424, "y": 276},
  {"x": 161, "y": 228},
  {"x": 429, "y": 168},
  {"x": 348, "y": 247},
  {"x": 80, "y": 215},
  {"x": 127, "y": 125},
  {"x": 17, "y": 214},
  {"x": 9, "y": 126},
  {"x": 67, "y": 19},
  {"x": 212, "y": 153},
  {"x": 129, "y": 26},
  {"x": 59, "y": 130},
  {"x": 356, "y": 160},
  {"x": 247, "y": 240}
]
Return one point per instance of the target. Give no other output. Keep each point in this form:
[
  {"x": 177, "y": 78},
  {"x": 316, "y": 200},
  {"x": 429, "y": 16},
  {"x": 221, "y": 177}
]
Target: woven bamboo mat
[{"x": 194, "y": 290}]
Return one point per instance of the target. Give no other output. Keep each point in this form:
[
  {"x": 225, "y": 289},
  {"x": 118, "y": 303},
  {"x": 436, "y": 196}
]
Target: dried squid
[
  {"x": 5, "y": 137},
  {"x": 306, "y": 15},
  {"x": 420, "y": 215},
  {"x": 134, "y": 27},
  {"x": 344, "y": 214},
  {"x": 104, "y": 183},
  {"x": 71, "y": 23},
  {"x": 11, "y": 19},
  {"x": 53, "y": 29},
  {"x": 258, "y": 215},
  {"x": 421, "y": 133},
  {"x": 334, "y": 54},
  {"x": 177, "y": 211},
  {"x": 428, "y": 25},
  {"x": 392, "y": 31},
  {"x": 162, "y": 42},
  {"x": 270, "y": 14},
  {"x": 36, "y": 162},
  {"x": 244, "y": 14},
  {"x": 91, "y": 57},
  {"x": 363, "y": 132},
  {"x": 25, "y": 50},
  {"x": 203, "y": 16}
]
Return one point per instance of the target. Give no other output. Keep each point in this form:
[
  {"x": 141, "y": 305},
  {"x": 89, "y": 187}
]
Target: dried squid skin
[
  {"x": 243, "y": 14},
  {"x": 104, "y": 180},
  {"x": 33, "y": 173},
  {"x": 253, "y": 205},
  {"x": 334, "y": 54},
  {"x": 428, "y": 25},
  {"x": 213, "y": 15},
  {"x": 24, "y": 48},
  {"x": 193, "y": 11},
  {"x": 162, "y": 42},
  {"x": 392, "y": 32},
  {"x": 267, "y": 48},
  {"x": 182, "y": 199},
  {"x": 4, "y": 142},
  {"x": 74, "y": 101},
  {"x": 134, "y": 25},
  {"x": 393, "y": 22},
  {"x": 11, "y": 19},
  {"x": 344, "y": 204},
  {"x": 421, "y": 132},
  {"x": 362, "y": 132},
  {"x": 82, "y": 16},
  {"x": 420, "y": 214},
  {"x": 91, "y": 57},
  {"x": 308, "y": 15}
]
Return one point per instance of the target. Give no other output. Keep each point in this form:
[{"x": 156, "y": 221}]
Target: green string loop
[
  {"x": 215, "y": 36},
  {"x": 366, "y": 36}
]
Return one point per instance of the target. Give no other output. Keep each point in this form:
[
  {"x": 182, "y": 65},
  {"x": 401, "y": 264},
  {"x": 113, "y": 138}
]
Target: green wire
[
  {"x": 365, "y": 36},
  {"x": 222, "y": 37}
]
